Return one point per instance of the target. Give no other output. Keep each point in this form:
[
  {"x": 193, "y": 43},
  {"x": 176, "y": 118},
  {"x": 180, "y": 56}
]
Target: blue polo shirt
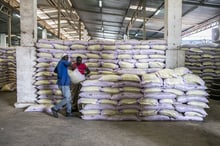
[{"x": 63, "y": 78}]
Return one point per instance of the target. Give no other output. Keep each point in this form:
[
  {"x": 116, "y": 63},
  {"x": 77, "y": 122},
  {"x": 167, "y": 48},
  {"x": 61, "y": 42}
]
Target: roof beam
[
  {"x": 56, "y": 18},
  {"x": 97, "y": 12},
  {"x": 107, "y": 32},
  {"x": 99, "y": 23},
  {"x": 184, "y": 14},
  {"x": 198, "y": 3}
]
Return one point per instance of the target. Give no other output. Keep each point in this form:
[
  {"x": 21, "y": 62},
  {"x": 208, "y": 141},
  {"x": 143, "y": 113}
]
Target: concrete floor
[{"x": 18, "y": 128}]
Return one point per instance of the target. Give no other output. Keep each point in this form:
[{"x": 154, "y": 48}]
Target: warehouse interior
[{"x": 147, "y": 85}]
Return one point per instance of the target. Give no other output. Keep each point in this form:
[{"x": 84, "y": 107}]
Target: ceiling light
[
  {"x": 158, "y": 11},
  {"x": 150, "y": 9},
  {"x": 134, "y": 7},
  {"x": 139, "y": 20},
  {"x": 127, "y": 18},
  {"x": 100, "y": 3}
]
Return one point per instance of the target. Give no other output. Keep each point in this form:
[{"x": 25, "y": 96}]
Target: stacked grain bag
[
  {"x": 173, "y": 95},
  {"x": 139, "y": 57},
  {"x": 109, "y": 58},
  {"x": 214, "y": 89},
  {"x": 203, "y": 60},
  {"x": 102, "y": 57},
  {"x": 110, "y": 97},
  {"x": 3, "y": 67},
  {"x": 8, "y": 69},
  {"x": 11, "y": 57},
  {"x": 210, "y": 62},
  {"x": 49, "y": 53}
]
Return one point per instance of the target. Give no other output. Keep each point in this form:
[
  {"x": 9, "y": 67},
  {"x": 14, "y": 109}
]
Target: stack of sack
[
  {"x": 11, "y": 57},
  {"x": 8, "y": 69},
  {"x": 110, "y": 97},
  {"x": 139, "y": 57},
  {"x": 214, "y": 89},
  {"x": 3, "y": 67},
  {"x": 48, "y": 55},
  {"x": 164, "y": 95},
  {"x": 173, "y": 95},
  {"x": 203, "y": 60},
  {"x": 102, "y": 57}
]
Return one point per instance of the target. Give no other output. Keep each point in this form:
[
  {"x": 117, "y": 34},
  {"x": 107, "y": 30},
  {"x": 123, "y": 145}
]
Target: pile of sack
[
  {"x": 102, "y": 57},
  {"x": 7, "y": 69},
  {"x": 110, "y": 97},
  {"x": 164, "y": 95},
  {"x": 203, "y": 60},
  {"x": 173, "y": 95}
]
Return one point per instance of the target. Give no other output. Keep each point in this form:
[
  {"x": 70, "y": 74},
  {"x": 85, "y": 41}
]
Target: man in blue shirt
[{"x": 63, "y": 82}]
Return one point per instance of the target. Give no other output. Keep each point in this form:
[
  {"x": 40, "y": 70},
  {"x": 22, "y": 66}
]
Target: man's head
[
  {"x": 78, "y": 59},
  {"x": 65, "y": 56}
]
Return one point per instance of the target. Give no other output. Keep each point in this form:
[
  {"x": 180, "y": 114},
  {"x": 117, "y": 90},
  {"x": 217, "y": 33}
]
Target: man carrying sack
[{"x": 80, "y": 71}]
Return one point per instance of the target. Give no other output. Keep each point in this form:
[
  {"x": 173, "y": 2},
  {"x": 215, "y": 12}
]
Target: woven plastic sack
[{"x": 75, "y": 76}]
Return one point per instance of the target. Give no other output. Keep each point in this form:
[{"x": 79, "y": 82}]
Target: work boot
[{"x": 54, "y": 112}]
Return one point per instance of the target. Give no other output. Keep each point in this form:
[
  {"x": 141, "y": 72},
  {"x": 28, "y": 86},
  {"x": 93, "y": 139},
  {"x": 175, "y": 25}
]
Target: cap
[{"x": 64, "y": 54}]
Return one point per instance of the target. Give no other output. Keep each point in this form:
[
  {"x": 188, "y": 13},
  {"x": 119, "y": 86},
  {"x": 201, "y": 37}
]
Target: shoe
[
  {"x": 54, "y": 112},
  {"x": 69, "y": 115},
  {"x": 75, "y": 110}
]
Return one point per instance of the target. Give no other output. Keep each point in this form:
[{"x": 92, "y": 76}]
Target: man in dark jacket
[{"x": 63, "y": 82}]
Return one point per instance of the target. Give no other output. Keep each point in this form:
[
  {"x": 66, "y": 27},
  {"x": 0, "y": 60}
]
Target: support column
[
  {"x": 44, "y": 34},
  {"x": 26, "y": 53},
  {"x": 2, "y": 40},
  {"x": 173, "y": 25}
]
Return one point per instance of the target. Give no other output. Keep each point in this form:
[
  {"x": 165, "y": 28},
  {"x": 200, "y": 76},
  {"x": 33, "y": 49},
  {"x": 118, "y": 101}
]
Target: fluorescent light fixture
[
  {"x": 133, "y": 7},
  {"x": 17, "y": 15},
  {"x": 146, "y": 8},
  {"x": 150, "y": 9},
  {"x": 127, "y": 18},
  {"x": 138, "y": 20},
  {"x": 158, "y": 11},
  {"x": 100, "y": 3}
]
